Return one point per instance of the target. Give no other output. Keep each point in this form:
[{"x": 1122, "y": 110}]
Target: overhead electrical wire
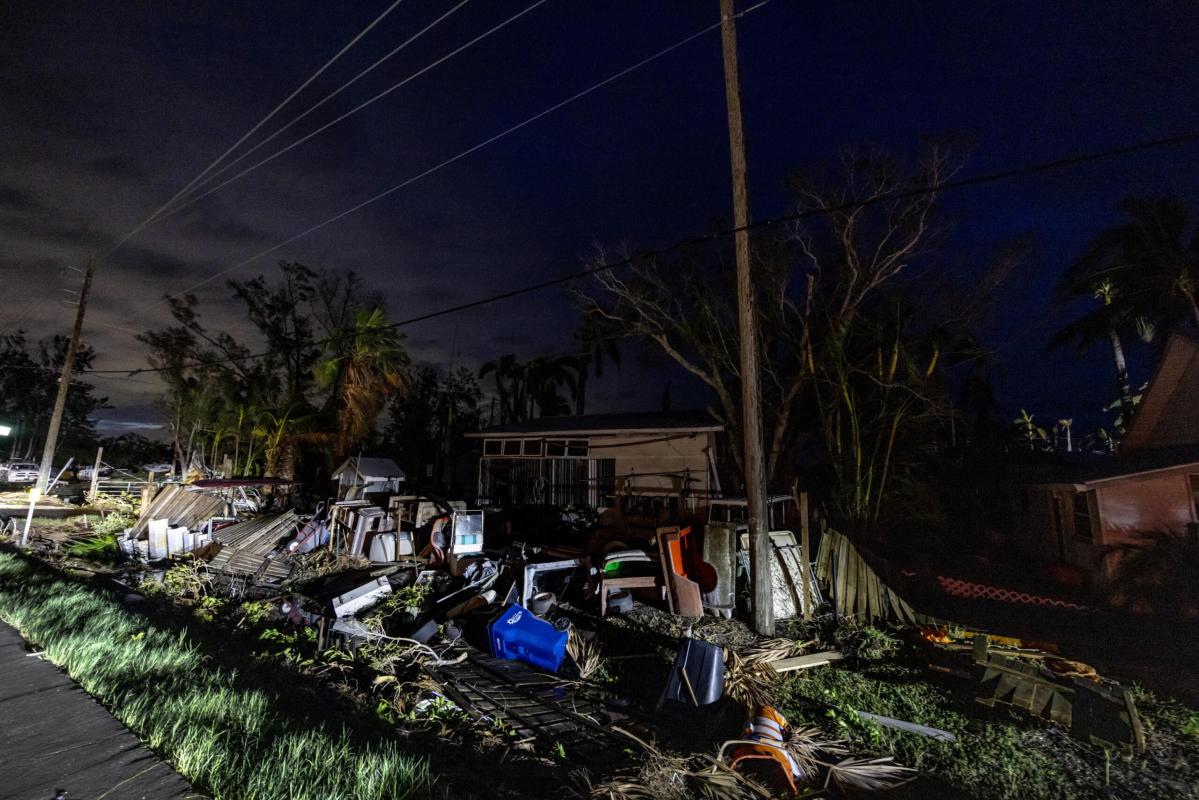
[
  {"x": 319, "y": 104},
  {"x": 960, "y": 183},
  {"x": 447, "y": 162},
  {"x": 141, "y": 226},
  {"x": 237, "y": 176}
]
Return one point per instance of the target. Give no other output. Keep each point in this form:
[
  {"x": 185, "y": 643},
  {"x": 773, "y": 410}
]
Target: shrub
[{"x": 865, "y": 642}]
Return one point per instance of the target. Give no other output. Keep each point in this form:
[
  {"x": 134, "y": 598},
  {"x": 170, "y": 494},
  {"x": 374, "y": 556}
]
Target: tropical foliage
[{"x": 316, "y": 372}]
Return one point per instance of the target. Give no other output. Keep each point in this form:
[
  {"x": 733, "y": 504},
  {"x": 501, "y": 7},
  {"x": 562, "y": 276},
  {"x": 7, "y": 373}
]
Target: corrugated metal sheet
[
  {"x": 183, "y": 507},
  {"x": 248, "y": 547}
]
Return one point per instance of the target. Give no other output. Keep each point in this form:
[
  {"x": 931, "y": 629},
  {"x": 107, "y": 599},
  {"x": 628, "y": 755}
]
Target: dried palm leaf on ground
[
  {"x": 658, "y": 777},
  {"x": 868, "y": 774},
  {"x": 586, "y": 654},
  {"x": 813, "y": 751},
  {"x": 748, "y": 672}
]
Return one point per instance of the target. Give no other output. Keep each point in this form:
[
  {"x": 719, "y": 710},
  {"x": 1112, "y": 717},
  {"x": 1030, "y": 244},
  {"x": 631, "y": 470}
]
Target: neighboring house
[
  {"x": 596, "y": 459},
  {"x": 1082, "y": 513},
  {"x": 360, "y": 476}
]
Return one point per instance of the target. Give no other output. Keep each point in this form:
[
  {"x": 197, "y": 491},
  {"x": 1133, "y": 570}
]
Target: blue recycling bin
[{"x": 517, "y": 634}]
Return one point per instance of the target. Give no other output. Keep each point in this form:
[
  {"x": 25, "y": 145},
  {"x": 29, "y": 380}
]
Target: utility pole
[
  {"x": 751, "y": 393},
  {"x": 64, "y": 383}
]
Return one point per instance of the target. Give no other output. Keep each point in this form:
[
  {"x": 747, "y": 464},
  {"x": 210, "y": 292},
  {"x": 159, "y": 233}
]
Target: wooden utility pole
[
  {"x": 751, "y": 394},
  {"x": 805, "y": 549},
  {"x": 64, "y": 383}
]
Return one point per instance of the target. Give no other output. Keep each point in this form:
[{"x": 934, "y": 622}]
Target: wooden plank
[
  {"x": 806, "y": 553},
  {"x": 807, "y": 661},
  {"x": 841, "y": 597}
]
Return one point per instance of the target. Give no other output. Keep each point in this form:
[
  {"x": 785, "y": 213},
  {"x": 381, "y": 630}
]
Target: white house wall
[{"x": 658, "y": 466}]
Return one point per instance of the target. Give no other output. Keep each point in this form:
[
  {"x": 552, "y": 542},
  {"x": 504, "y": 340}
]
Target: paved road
[{"x": 54, "y": 737}]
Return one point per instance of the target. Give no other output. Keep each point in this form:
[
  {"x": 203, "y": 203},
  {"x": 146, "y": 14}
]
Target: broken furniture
[
  {"x": 454, "y": 535},
  {"x": 697, "y": 678},
  {"x": 760, "y": 754},
  {"x": 720, "y": 551},
  {"x": 682, "y": 592},
  {"x": 314, "y": 534},
  {"x": 519, "y": 634},
  {"x": 391, "y": 546},
  {"x": 365, "y": 596},
  {"x": 1093, "y": 712},
  {"x": 529, "y": 577},
  {"x": 625, "y": 570}
]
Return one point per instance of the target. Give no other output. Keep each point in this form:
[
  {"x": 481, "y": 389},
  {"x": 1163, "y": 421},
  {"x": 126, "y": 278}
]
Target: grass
[
  {"x": 227, "y": 738},
  {"x": 988, "y": 760},
  {"x": 1001, "y": 755}
]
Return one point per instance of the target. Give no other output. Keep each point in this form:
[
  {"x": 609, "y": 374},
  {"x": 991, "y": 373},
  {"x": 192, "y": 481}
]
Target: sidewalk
[{"x": 54, "y": 737}]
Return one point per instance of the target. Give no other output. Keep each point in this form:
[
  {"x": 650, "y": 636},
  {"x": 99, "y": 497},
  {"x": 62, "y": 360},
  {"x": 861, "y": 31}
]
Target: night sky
[{"x": 106, "y": 109}]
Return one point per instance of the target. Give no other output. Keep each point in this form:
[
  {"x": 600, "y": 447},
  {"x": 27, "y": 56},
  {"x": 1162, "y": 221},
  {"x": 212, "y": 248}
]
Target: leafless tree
[{"x": 848, "y": 350}]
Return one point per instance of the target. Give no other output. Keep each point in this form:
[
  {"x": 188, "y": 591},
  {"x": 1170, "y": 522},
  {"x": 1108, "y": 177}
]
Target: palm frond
[{"x": 868, "y": 774}]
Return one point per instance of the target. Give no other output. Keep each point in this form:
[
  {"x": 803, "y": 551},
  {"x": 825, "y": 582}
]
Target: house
[
  {"x": 359, "y": 476},
  {"x": 595, "y": 460},
  {"x": 1082, "y": 513}
]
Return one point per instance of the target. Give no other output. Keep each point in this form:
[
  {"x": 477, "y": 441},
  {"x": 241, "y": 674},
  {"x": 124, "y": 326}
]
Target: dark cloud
[
  {"x": 14, "y": 199},
  {"x": 109, "y": 110},
  {"x": 231, "y": 231},
  {"x": 117, "y": 166}
]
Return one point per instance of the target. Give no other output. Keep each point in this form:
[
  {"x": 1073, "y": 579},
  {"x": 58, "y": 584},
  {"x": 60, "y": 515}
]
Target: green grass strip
[{"x": 228, "y": 740}]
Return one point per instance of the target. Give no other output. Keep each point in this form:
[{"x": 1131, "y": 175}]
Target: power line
[
  {"x": 316, "y": 106},
  {"x": 249, "y": 133},
  {"x": 468, "y": 151},
  {"x": 357, "y": 108},
  {"x": 978, "y": 180}
]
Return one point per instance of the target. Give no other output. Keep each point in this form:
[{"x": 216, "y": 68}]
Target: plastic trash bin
[
  {"x": 517, "y": 634},
  {"x": 698, "y": 675}
]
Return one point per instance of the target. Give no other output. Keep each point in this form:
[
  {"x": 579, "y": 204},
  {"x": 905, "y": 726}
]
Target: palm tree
[
  {"x": 364, "y": 373},
  {"x": 1028, "y": 429},
  {"x": 544, "y": 376},
  {"x": 1152, "y": 260},
  {"x": 506, "y": 372},
  {"x": 1108, "y": 321},
  {"x": 1063, "y": 426},
  {"x": 597, "y": 344}
]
